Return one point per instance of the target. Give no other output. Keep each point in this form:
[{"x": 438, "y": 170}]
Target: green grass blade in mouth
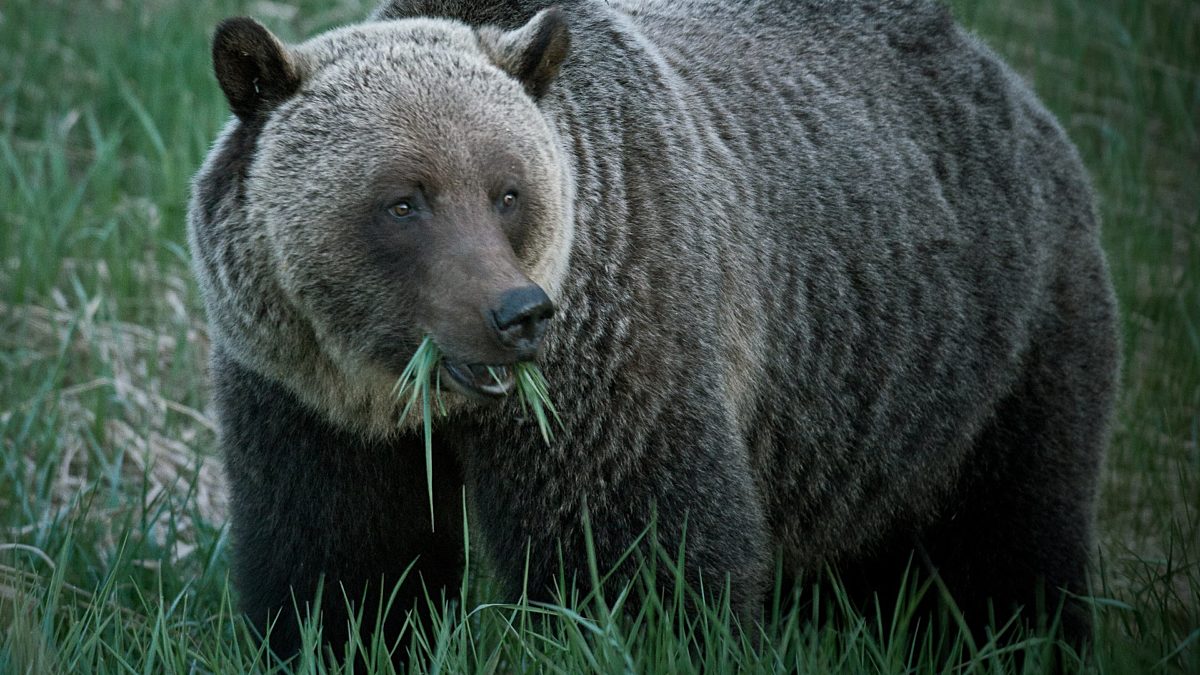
[
  {"x": 415, "y": 383},
  {"x": 421, "y": 383},
  {"x": 535, "y": 396},
  {"x": 438, "y": 391}
]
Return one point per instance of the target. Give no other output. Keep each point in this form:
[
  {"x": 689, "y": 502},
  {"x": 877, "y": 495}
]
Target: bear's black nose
[{"x": 521, "y": 319}]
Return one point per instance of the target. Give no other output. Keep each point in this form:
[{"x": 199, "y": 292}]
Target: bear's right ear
[{"x": 255, "y": 70}]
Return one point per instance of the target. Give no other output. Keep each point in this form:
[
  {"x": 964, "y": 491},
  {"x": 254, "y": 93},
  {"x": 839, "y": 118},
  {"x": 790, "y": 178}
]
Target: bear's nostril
[{"x": 521, "y": 319}]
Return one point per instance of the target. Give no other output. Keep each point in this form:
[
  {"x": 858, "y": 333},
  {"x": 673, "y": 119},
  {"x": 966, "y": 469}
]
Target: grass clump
[
  {"x": 534, "y": 396},
  {"x": 421, "y": 383}
]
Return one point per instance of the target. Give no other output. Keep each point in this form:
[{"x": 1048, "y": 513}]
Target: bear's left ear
[{"x": 532, "y": 53}]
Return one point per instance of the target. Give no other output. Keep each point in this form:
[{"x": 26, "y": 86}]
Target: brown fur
[{"x": 828, "y": 282}]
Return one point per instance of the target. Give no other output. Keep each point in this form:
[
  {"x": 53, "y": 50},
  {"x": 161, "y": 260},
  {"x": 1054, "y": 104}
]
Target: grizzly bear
[{"x": 811, "y": 281}]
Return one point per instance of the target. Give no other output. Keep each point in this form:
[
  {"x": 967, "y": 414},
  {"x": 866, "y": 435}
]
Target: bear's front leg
[
  {"x": 680, "y": 467},
  {"x": 311, "y": 502}
]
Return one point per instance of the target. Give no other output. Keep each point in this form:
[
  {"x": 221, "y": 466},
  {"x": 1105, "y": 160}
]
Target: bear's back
[{"x": 872, "y": 205}]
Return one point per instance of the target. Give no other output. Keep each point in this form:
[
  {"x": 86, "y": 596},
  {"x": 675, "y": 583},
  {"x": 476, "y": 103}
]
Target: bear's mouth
[{"x": 480, "y": 380}]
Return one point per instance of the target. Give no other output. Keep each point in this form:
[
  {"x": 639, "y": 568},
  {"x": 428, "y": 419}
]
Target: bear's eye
[
  {"x": 401, "y": 209},
  {"x": 509, "y": 200}
]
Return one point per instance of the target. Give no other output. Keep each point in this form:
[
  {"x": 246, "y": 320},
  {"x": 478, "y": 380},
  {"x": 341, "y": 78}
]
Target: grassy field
[{"x": 113, "y": 545}]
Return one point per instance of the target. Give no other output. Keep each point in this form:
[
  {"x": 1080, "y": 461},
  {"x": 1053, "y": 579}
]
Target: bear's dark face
[
  {"x": 447, "y": 233},
  {"x": 410, "y": 187}
]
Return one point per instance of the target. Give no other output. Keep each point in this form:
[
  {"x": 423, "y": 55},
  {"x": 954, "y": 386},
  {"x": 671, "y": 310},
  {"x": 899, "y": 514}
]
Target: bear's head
[{"x": 403, "y": 183}]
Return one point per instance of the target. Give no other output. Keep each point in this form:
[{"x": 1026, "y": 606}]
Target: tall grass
[{"x": 113, "y": 543}]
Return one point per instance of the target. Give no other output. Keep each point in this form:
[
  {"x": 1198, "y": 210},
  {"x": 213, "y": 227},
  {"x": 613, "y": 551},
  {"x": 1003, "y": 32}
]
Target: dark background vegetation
[{"x": 113, "y": 547}]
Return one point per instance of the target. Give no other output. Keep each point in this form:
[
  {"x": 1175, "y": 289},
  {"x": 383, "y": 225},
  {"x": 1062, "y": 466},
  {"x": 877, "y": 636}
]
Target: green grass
[
  {"x": 420, "y": 385},
  {"x": 113, "y": 545}
]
